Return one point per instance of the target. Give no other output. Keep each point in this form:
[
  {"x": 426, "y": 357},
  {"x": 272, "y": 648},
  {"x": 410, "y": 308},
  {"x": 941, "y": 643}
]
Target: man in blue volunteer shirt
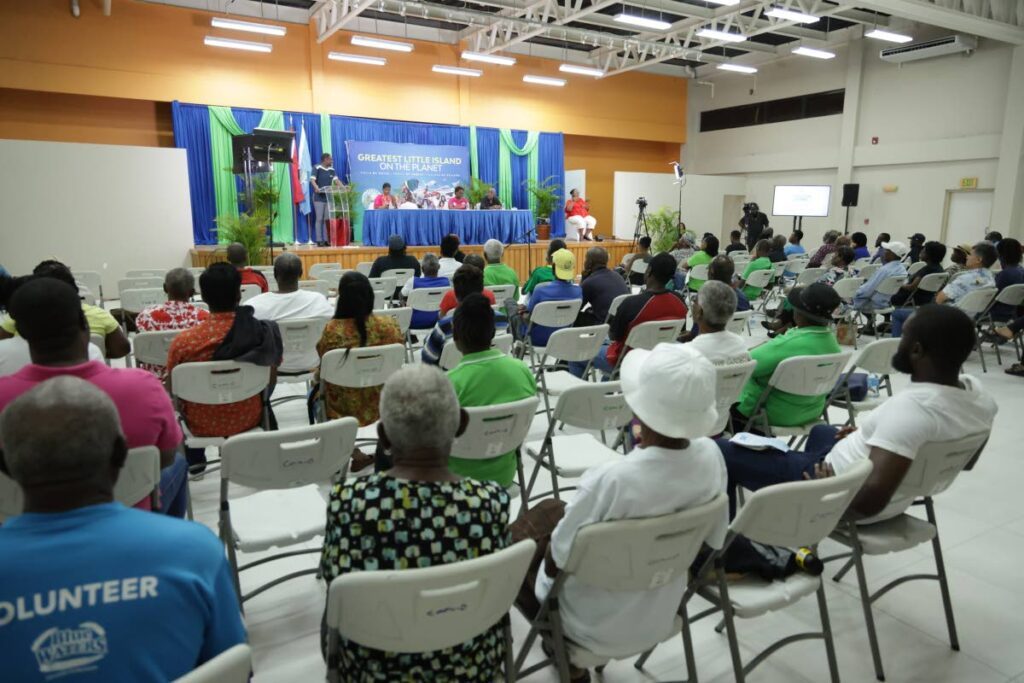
[
  {"x": 91, "y": 591},
  {"x": 563, "y": 265},
  {"x": 324, "y": 177}
]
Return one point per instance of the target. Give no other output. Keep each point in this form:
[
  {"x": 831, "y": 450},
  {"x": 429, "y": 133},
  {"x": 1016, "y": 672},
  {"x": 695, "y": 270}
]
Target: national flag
[
  {"x": 305, "y": 170},
  {"x": 297, "y": 188}
]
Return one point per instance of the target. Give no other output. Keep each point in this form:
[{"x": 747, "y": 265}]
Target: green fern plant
[
  {"x": 546, "y": 194},
  {"x": 248, "y": 230},
  {"x": 477, "y": 190},
  {"x": 663, "y": 227}
]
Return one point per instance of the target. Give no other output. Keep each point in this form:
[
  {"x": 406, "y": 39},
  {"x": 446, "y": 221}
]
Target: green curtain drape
[
  {"x": 506, "y": 149},
  {"x": 222, "y": 127},
  {"x": 325, "y": 135},
  {"x": 474, "y": 158}
]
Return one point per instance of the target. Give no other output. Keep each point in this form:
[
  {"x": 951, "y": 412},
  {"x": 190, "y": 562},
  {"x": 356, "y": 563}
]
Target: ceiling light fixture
[
  {"x": 248, "y": 26},
  {"x": 738, "y": 68},
  {"x": 581, "y": 70},
  {"x": 214, "y": 41},
  {"x": 457, "y": 71},
  {"x": 791, "y": 15},
  {"x": 357, "y": 59},
  {"x": 544, "y": 80},
  {"x": 381, "y": 44},
  {"x": 889, "y": 36},
  {"x": 490, "y": 59},
  {"x": 813, "y": 52},
  {"x": 642, "y": 22},
  {"x": 721, "y": 35}
]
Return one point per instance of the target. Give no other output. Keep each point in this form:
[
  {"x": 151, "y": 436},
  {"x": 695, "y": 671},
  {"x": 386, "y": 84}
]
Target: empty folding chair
[
  {"x": 809, "y": 276},
  {"x": 364, "y": 267},
  {"x": 151, "y": 272},
  {"x": 427, "y": 299},
  {"x": 401, "y": 275},
  {"x": 359, "y": 368},
  {"x": 1012, "y": 296},
  {"x": 502, "y": 292},
  {"x": 568, "y": 345},
  {"x": 932, "y": 471},
  {"x": 135, "y": 300},
  {"x": 138, "y": 283},
  {"x": 638, "y": 267},
  {"x": 299, "y": 337},
  {"x": 556, "y": 314},
  {"x": 403, "y": 316},
  {"x": 286, "y": 468},
  {"x": 729, "y": 382},
  {"x": 761, "y": 279},
  {"x": 234, "y": 665},
  {"x": 317, "y": 268},
  {"x": 976, "y": 304},
  {"x": 451, "y": 356},
  {"x": 383, "y": 285},
  {"x": 428, "y": 609},
  {"x": 626, "y": 555},
  {"x": 249, "y": 291},
  {"x": 650, "y": 334},
  {"x": 739, "y": 254},
  {"x": 319, "y": 286},
  {"x": 92, "y": 281},
  {"x": 875, "y": 359},
  {"x": 740, "y": 322},
  {"x": 331, "y": 277}
]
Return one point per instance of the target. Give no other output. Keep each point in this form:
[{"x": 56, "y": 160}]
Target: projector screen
[{"x": 801, "y": 200}]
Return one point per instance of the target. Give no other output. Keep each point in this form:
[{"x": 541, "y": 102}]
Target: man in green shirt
[
  {"x": 812, "y": 336},
  {"x": 496, "y": 272},
  {"x": 485, "y": 377},
  {"x": 543, "y": 273},
  {"x": 760, "y": 262}
]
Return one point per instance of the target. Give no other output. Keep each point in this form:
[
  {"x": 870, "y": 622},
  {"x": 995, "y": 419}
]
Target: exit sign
[{"x": 969, "y": 183}]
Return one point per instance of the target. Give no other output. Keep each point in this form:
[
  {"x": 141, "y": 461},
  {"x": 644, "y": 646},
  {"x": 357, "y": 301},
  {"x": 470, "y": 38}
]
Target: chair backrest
[
  {"x": 800, "y": 513},
  {"x": 808, "y": 276},
  {"x": 576, "y": 343},
  {"x": 152, "y": 347},
  {"x": 218, "y": 382},
  {"x": 331, "y": 277},
  {"x": 401, "y": 275},
  {"x": 271, "y": 282},
  {"x": 317, "y": 268},
  {"x": 429, "y": 609},
  {"x": 501, "y": 292},
  {"x": 761, "y": 278},
  {"x": 234, "y": 665},
  {"x": 891, "y": 285},
  {"x": 494, "y": 430},
  {"x": 739, "y": 254},
  {"x": 614, "y": 306},
  {"x": 809, "y": 375},
  {"x": 868, "y": 270},
  {"x": 638, "y": 266},
  {"x": 91, "y": 280},
  {"x": 150, "y": 272},
  {"x": 367, "y": 366},
  {"x": 451, "y": 356},
  {"x": 137, "y": 299},
  {"x": 795, "y": 266},
  {"x": 876, "y": 357},
  {"x": 650, "y": 334},
  {"x": 914, "y": 267},
  {"x": 699, "y": 272},
  {"x": 99, "y": 342},
  {"x": 847, "y": 287},
  {"x": 556, "y": 313},
  {"x": 861, "y": 262},
  {"x": 196, "y": 271},
  {"x": 249, "y": 291},
  {"x": 402, "y": 315},
  {"x": 319, "y": 286},
  {"x": 977, "y": 302},
  {"x": 643, "y": 554},
  {"x": 384, "y": 285},
  {"x": 729, "y": 382},
  {"x": 1011, "y": 296},
  {"x": 138, "y": 283},
  {"x": 599, "y": 405},
  {"x": 364, "y": 267},
  {"x": 933, "y": 282},
  {"x": 289, "y": 458},
  {"x": 300, "y": 335},
  {"x": 778, "y": 268},
  {"x": 426, "y": 299},
  {"x": 740, "y": 321}
]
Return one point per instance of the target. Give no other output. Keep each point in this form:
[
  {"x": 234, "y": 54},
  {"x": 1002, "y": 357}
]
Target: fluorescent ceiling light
[
  {"x": 214, "y": 41},
  {"x": 544, "y": 80},
  {"x": 728, "y": 3},
  {"x": 381, "y": 44},
  {"x": 457, "y": 71},
  {"x": 791, "y": 15},
  {"x": 581, "y": 70},
  {"x": 738, "y": 68},
  {"x": 490, "y": 59},
  {"x": 357, "y": 59},
  {"x": 643, "y": 22},
  {"x": 814, "y": 52},
  {"x": 721, "y": 35},
  {"x": 879, "y": 34},
  {"x": 248, "y": 26}
]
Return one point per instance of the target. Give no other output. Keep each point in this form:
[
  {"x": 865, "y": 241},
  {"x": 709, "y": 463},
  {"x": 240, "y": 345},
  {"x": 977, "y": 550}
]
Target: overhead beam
[
  {"x": 333, "y": 15},
  {"x": 954, "y": 20},
  {"x": 567, "y": 16}
]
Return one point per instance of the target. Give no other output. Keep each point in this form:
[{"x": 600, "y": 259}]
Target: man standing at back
[
  {"x": 103, "y": 593},
  {"x": 239, "y": 258}
]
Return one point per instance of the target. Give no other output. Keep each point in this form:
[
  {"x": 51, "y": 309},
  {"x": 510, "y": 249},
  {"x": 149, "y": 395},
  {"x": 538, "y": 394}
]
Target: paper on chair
[{"x": 759, "y": 443}]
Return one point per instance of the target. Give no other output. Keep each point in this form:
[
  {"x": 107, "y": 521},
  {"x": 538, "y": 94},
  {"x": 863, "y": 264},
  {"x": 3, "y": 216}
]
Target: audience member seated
[
  {"x": 879, "y": 251},
  {"x": 828, "y": 246},
  {"x": 811, "y": 336},
  {"x": 958, "y": 258},
  {"x": 867, "y": 298},
  {"x": 937, "y": 406},
  {"x": 976, "y": 276},
  {"x": 723, "y": 269},
  {"x": 917, "y": 241},
  {"x": 600, "y": 286},
  {"x": 1011, "y": 274},
  {"x": 656, "y": 302},
  {"x": 793, "y": 246},
  {"x": 708, "y": 251},
  {"x": 230, "y": 333},
  {"x": 290, "y": 302},
  {"x": 777, "y": 250},
  {"x": 422, "y": 320},
  {"x": 177, "y": 313},
  {"x": 860, "y": 246},
  {"x": 561, "y": 288},
  {"x": 485, "y": 377},
  {"x": 396, "y": 259},
  {"x": 932, "y": 254},
  {"x": 449, "y": 302},
  {"x": 449, "y": 248},
  {"x": 496, "y": 272},
  {"x": 673, "y": 467},
  {"x": 643, "y": 253},
  {"x": 714, "y": 308},
  {"x": 842, "y": 258},
  {"x": 544, "y": 273},
  {"x": 100, "y": 322},
  {"x": 759, "y": 262},
  {"x": 238, "y": 256},
  {"x": 369, "y": 525},
  {"x": 468, "y": 279},
  {"x": 735, "y": 242},
  {"x": 1001, "y": 335},
  {"x": 99, "y": 581},
  {"x": 51, "y": 320}
]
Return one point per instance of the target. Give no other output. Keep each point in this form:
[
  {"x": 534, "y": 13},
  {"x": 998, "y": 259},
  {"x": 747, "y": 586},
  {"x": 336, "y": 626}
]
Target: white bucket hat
[{"x": 671, "y": 389}]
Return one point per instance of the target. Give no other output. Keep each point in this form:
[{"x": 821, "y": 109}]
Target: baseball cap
[
  {"x": 396, "y": 242},
  {"x": 671, "y": 388},
  {"x": 917, "y": 237},
  {"x": 898, "y": 248},
  {"x": 564, "y": 264},
  {"x": 966, "y": 248},
  {"x": 816, "y": 301}
]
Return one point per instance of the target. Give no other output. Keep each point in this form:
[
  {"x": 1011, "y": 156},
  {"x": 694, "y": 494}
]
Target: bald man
[
  {"x": 238, "y": 256},
  {"x": 95, "y": 581}
]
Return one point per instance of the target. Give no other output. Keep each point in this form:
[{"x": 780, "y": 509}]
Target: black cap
[
  {"x": 816, "y": 301},
  {"x": 396, "y": 243},
  {"x": 918, "y": 237}
]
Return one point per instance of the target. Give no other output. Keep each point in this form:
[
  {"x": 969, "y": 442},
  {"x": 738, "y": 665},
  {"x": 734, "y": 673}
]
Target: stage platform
[{"x": 517, "y": 256}]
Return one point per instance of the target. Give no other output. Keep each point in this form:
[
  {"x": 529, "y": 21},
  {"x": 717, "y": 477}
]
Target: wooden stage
[{"x": 517, "y": 256}]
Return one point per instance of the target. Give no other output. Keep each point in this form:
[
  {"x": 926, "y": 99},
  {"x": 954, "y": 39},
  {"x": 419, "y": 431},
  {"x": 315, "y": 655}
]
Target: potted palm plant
[
  {"x": 545, "y": 192},
  {"x": 477, "y": 191}
]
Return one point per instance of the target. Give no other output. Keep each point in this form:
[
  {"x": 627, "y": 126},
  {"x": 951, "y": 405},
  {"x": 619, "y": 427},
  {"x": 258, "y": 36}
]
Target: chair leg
[
  {"x": 730, "y": 626},
  {"x": 521, "y": 474},
  {"x": 558, "y": 647},
  {"x": 691, "y": 661},
  {"x": 510, "y": 664},
  {"x": 865, "y": 600},
  {"x": 940, "y": 565},
  {"x": 826, "y": 634}
]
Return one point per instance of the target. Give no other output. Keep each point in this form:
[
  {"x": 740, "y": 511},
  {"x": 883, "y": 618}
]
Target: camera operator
[{"x": 754, "y": 222}]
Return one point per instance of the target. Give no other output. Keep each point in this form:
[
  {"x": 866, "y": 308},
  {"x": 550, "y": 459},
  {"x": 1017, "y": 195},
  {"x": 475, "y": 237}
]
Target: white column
[
  {"x": 1008, "y": 202},
  {"x": 848, "y": 131}
]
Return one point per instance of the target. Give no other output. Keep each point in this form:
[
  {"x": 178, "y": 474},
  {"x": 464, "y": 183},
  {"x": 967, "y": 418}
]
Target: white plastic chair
[
  {"x": 809, "y": 276},
  {"x": 739, "y": 254},
  {"x": 138, "y": 283},
  {"x": 285, "y": 467},
  {"x": 92, "y": 281},
  {"x": 650, "y": 334},
  {"x": 699, "y": 272},
  {"x": 216, "y": 383},
  {"x": 875, "y": 359},
  {"x": 271, "y": 281},
  {"x": 383, "y": 285},
  {"x": 847, "y": 287},
  {"x": 556, "y": 314},
  {"x": 931, "y": 283},
  {"x": 299, "y": 337},
  {"x": 915, "y": 267},
  {"x": 568, "y": 345},
  {"x": 152, "y": 347},
  {"x": 401, "y": 275},
  {"x": 501, "y": 292},
  {"x": 101, "y": 343},
  {"x": 934, "y": 468},
  {"x": 624, "y": 555},
  {"x": 249, "y": 291},
  {"x": 1012, "y": 295},
  {"x": 740, "y": 322},
  {"x": 428, "y": 609},
  {"x": 868, "y": 270},
  {"x": 729, "y": 382},
  {"x": 614, "y": 306},
  {"x": 151, "y": 272},
  {"x": 135, "y": 300},
  {"x": 359, "y": 368},
  {"x": 451, "y": 356},
  {"x": 318, "y": 286},
  {"x": 364, "y": 267},
  {"x": 761, "y": 279},
  {"x": 403, "y": 316},
  {"x": 331, "y": 277},
  {"x": 638, "y": 266},
  {"x": 317, "y": 268},
  {"x": 234, "y": 665},
  {"x": 976, "y": 304},
  {"x": 427, "y": 299}
]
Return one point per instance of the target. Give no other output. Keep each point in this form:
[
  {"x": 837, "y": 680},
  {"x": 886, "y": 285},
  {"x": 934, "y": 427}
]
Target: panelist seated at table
[
  {"x": 385, "y": 200},
  {"x": 490, "y": 200},
  {"x": 459, "y": 201}
]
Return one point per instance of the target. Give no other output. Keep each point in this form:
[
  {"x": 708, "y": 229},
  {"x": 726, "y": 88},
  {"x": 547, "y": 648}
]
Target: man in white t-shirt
[
  {"x": 938, "y": 405},
  {"x": 290, "y": 303},
  {"x": 715, "y": 306},
  {"x": 672, "y": 468}
]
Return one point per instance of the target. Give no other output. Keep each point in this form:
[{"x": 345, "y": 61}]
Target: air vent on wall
[{"x": 939, "y": 47}]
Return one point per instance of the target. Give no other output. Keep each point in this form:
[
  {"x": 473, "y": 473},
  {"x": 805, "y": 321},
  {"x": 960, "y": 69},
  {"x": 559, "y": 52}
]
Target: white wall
[
  {"x": 702, "y": 199},
  {"x": 108, "y": 208}
]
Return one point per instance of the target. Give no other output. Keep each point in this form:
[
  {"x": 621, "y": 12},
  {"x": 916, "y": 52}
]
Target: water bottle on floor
[{"x": 873, "y": 383}]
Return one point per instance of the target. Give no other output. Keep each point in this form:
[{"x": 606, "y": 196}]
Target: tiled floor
[{"x": 982, "y": 529}]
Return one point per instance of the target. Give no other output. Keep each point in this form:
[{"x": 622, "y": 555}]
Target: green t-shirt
[
  {"x": 701, "y": 258},
  {"x": 500, "y": 274},
  {"x": 787, "y": 410},
  {"x": 538, "y": 276},
  {"x": 762, "y": 263},
  {"x": 488, "y": 378}
]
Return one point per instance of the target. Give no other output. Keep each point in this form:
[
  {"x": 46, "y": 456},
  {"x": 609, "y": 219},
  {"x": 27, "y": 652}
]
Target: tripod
[{"x": 641, "y": 226}]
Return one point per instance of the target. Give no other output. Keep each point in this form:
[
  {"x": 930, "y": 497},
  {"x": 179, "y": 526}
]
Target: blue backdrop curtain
[{"x": 192, "y": 133}]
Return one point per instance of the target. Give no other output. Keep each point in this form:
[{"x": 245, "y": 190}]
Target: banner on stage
[{"x": 424, "y": 175}]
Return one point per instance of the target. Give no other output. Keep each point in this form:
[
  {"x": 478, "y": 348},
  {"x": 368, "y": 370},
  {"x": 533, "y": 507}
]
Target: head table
[{"x": 423, "y": 227}]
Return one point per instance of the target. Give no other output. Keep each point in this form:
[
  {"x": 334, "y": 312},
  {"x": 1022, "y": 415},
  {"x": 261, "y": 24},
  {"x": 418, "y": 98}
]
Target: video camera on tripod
[{"x": 641, "y": 202}]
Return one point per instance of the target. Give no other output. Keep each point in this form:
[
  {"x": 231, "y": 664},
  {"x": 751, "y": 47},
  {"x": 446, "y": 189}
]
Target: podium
[{"x": 339, "y": 224}]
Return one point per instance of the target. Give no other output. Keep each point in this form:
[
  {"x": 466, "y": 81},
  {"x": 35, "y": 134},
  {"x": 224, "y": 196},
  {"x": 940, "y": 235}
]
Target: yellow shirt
[{"x": 98, "y": 319}]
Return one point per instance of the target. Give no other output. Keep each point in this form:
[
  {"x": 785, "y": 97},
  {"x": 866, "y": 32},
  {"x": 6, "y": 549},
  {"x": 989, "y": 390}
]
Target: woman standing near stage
[
  {"x": 385, "y": 200},
  {"x": 577, "y": 215}
]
